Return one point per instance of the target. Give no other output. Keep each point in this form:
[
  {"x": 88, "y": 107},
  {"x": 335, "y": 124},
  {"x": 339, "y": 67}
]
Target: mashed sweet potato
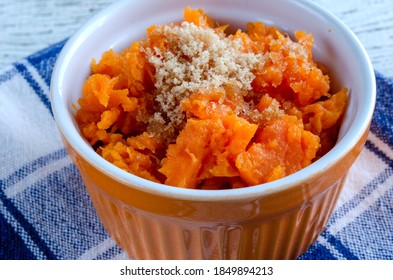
[{"x": 193, "y": 107}]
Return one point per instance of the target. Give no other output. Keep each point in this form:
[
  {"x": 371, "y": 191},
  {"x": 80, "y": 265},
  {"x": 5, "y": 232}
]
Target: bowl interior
[{"x": 125, "y": 21}]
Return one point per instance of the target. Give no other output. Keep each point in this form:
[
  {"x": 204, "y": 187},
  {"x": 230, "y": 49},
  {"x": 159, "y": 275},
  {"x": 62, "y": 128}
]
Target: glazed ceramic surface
[{"x": 278, "y": 220}]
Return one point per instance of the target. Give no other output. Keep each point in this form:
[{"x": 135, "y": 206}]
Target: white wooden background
[{"x": 28, "y": 26}]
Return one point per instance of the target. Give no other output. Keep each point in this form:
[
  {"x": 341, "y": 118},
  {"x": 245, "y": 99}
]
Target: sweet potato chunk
[
  {"x": 281, "y": 148},
  {"x": 205, "y": 149}
]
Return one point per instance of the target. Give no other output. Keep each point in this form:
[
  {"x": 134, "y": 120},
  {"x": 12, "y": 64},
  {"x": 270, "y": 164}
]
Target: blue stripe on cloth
[
  {"x": 317, "y": 252},
  {"x": 28, "y": 227},
  {"x": 382, "y": 124},
  {"x": 34, "y": 85},
  {"x": 61, "y": 210},
  {"x": 381, "y": 155},
  {"x": 109, "y": 254},
  {"x": 42, "y": 207},
  {"x": 12, "y": 246},
  {"x": 9, "y": 205},
  {"x": 341, "y": 248},
  {"x": 7, "y": 75},
  {"x": 373, "y": 230},
  {"x": 30, "y": 167},
  {"x": 44, "y": 61}
]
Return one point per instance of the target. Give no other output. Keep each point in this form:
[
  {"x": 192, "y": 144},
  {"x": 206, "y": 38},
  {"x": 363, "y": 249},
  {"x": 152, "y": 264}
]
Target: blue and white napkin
[{"x": 46, "y": 213}]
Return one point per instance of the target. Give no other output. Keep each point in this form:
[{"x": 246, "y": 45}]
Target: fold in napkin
[{"x": 46, "y": 213}]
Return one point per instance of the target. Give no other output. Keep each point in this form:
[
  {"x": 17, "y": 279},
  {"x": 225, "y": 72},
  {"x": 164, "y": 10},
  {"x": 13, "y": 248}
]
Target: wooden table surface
[{"x": 28, "y": 26}]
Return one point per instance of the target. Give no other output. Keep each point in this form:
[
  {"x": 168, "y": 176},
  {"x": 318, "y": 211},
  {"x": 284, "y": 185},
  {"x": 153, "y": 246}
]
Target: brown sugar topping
[{"x": 196, "y": 59}]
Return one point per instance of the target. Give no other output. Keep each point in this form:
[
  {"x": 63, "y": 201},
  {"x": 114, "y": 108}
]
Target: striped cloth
[{"x": 46, "y": 213}]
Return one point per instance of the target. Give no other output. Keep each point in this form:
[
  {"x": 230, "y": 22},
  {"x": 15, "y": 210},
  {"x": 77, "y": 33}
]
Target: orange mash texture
[{"x": 229, "y": 135}]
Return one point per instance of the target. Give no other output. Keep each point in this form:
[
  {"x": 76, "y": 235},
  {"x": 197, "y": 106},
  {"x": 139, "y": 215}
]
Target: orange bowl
[{"x": 276, "y": 220}]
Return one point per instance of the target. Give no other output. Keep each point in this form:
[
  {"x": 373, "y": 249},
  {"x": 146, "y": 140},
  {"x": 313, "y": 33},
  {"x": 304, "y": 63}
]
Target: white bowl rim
[{"x": 71, "y": 134}]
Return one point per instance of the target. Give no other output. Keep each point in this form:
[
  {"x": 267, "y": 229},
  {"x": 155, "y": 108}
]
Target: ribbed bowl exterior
[{"x": 150, "y": 236}]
